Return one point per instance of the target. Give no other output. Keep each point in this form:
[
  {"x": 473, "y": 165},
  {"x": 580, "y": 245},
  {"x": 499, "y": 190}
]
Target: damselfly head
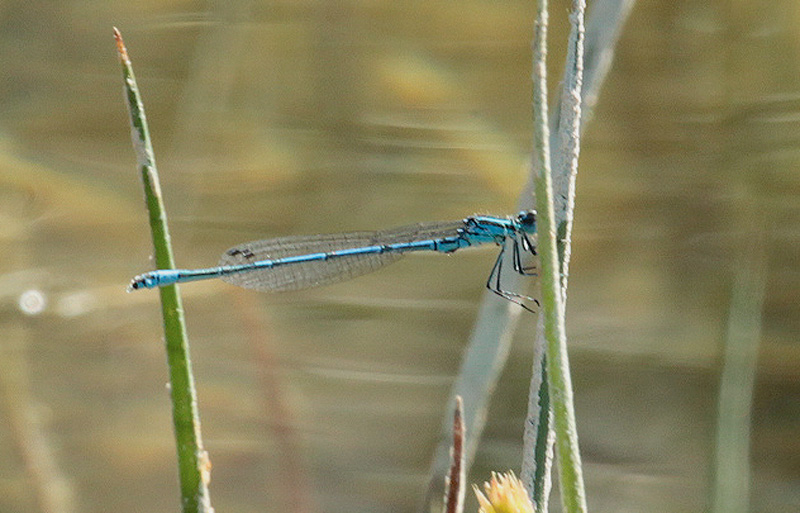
[{"x": 527, "y": 220}]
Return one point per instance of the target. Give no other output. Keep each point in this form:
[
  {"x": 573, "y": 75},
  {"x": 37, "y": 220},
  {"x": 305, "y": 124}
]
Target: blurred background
[{"x": 288, "y": 117}]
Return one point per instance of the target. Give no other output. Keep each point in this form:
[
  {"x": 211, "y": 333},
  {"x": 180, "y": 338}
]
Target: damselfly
[{"x": 293, "y": 263}]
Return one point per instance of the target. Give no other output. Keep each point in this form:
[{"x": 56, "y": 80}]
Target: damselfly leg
[{"x": 494, "y": 283}]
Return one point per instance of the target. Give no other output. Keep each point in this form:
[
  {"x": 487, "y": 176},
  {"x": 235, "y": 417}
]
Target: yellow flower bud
[{"x": 504, "y": 494}]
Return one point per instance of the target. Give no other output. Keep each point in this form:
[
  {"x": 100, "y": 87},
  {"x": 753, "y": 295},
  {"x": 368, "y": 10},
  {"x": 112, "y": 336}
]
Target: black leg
[
  {"x": 500, "y": 258},
  {"x": 495, "y": 269},
  {"x": 517, "y": 258},
  {"x": 532, "y": 250},
  {"x": 527, "y": 245},
  {"x": 495, "y": 276},
  {"x": 518, "y": 267}
]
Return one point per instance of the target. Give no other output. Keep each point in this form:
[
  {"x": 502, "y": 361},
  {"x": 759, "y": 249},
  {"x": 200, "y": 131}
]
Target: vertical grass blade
[
  {"x": 490, "y": 341},
  {"x": 455, "y": 488},
  {"x": 573, "y": 497},
  {"x": 602, "y": 32},
  {"x": 193, "y": 464},
  {"x": 731, "y": 490}
]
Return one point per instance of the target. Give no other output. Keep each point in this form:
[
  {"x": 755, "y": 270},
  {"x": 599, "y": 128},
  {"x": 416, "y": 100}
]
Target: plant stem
[
  {"x": 602, "y": 32},
  {"x": 731, "y": 486},
  {"x": 193, "y": 464},
  {"x": 557, "y": 362}
]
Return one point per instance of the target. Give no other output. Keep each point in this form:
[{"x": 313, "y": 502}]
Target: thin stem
[
  {"x": 496, "y": 322},
  {"x": 456, "y": 485},
  {"x": 193, "y": 464},
  {"x": 557, "y": 362},
  {"x": 602, "y": 32},
  {"x": 731, "y": 488}
]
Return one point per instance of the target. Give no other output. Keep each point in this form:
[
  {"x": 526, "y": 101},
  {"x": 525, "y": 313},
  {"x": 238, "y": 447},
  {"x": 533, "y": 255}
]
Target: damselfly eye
[{"x": 527, "y": 218}]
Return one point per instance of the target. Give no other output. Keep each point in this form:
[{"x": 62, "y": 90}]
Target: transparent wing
[{"x": 323, "y": 272}]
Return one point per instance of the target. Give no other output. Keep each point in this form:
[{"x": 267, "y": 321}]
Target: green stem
[
  {"x": 731, "y": 486},
  {"x": 192, "y": 459},
  {"x": 557, "y": 361},
  {"x": 602, "y": 32}
]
